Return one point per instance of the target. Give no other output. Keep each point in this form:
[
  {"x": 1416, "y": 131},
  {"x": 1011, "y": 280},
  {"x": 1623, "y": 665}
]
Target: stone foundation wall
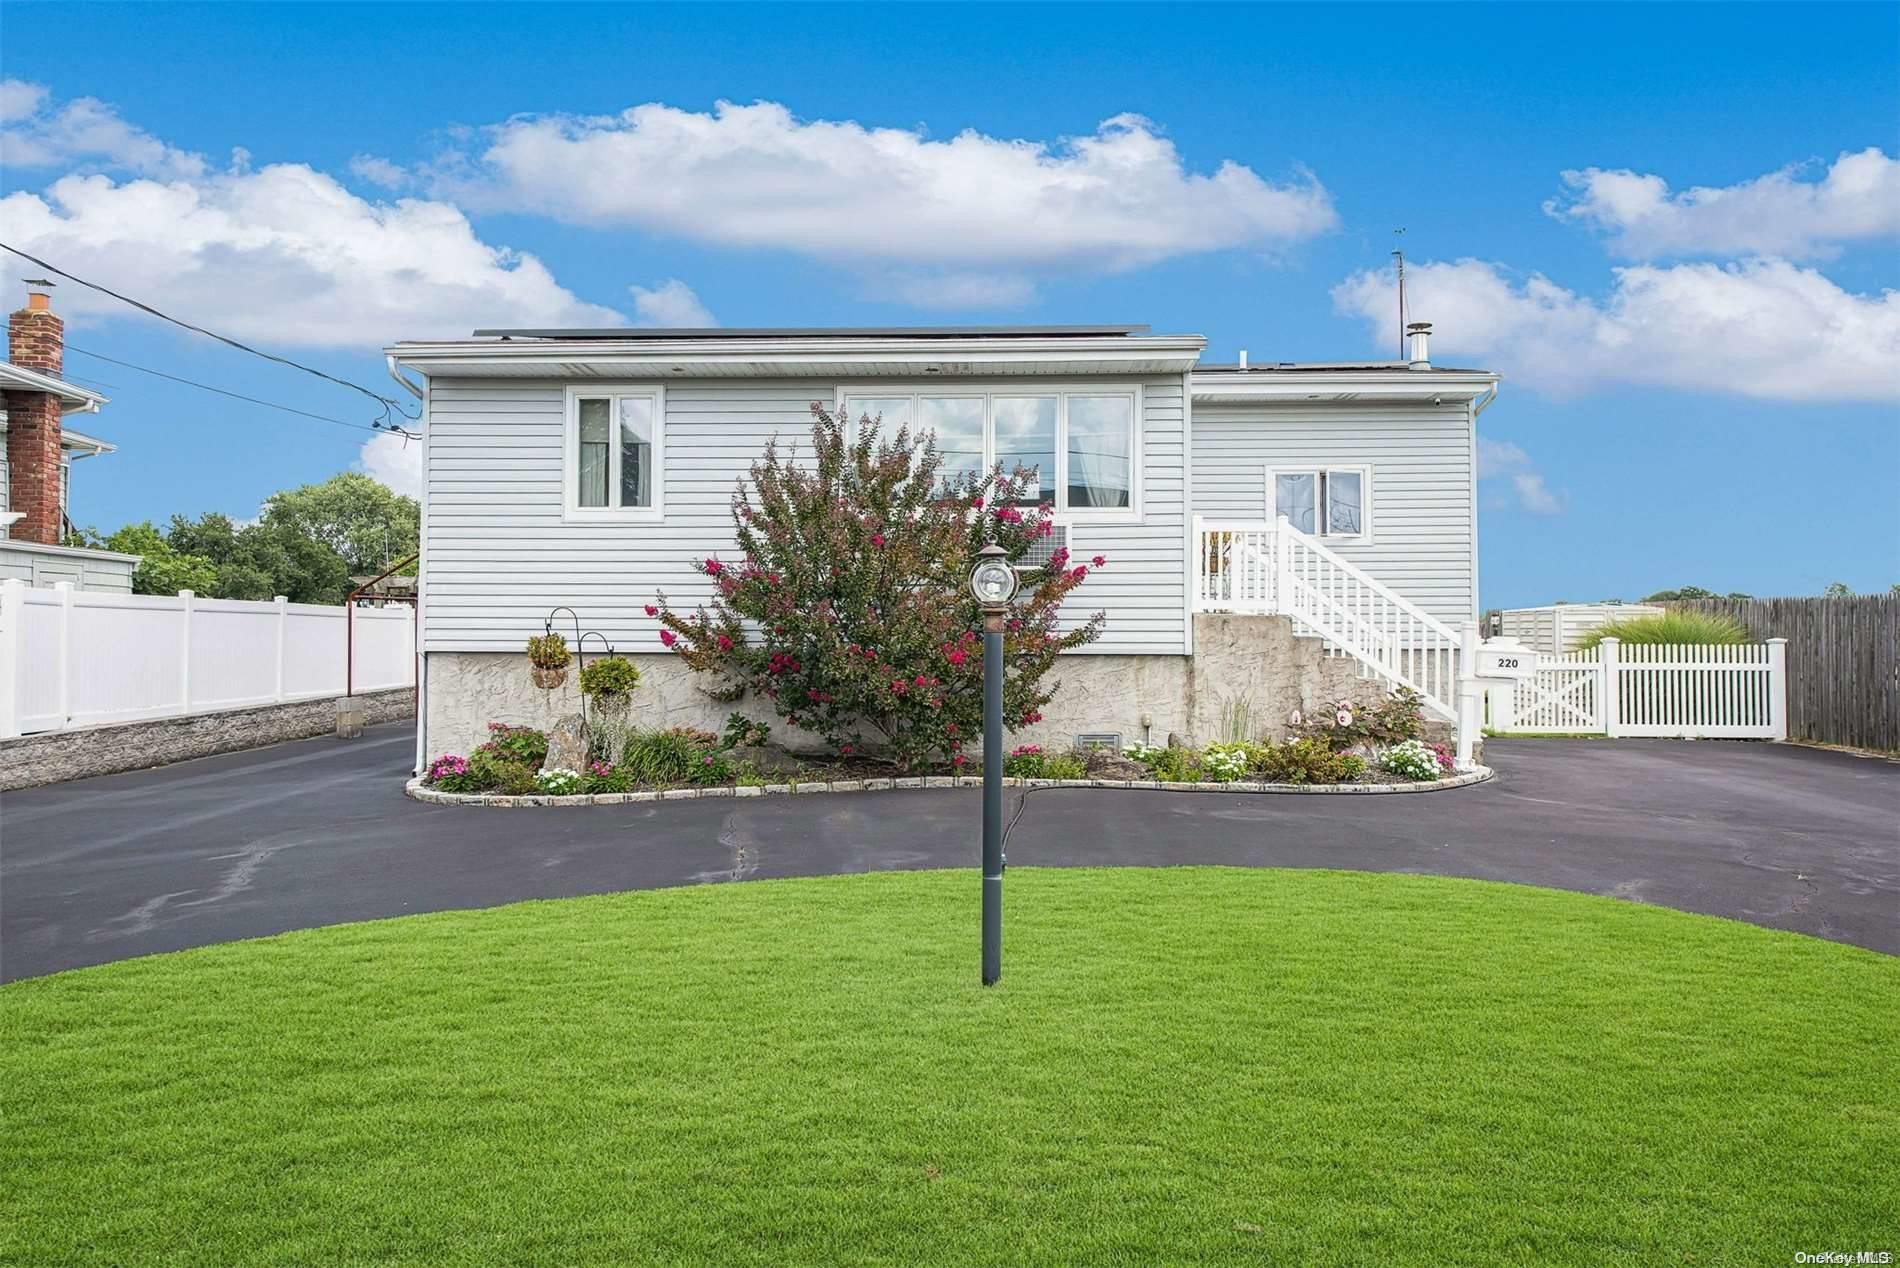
[
  {"x": 1247, "y": 669},
  {"x": 52, "y": 756}
]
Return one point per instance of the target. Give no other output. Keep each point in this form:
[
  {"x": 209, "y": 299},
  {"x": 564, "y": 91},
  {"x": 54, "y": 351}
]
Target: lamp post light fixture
[{"x": 993, "y": 581}]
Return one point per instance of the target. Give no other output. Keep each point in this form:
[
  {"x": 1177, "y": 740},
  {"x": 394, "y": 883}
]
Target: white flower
[{"x": 1343, "y": 717}]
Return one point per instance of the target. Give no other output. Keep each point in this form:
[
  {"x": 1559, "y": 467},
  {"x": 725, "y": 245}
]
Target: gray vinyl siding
[
  {"x": 42, "y": 567},
  {"x": 1420, "y": 502},
  {"x": 498, "y": 555}
]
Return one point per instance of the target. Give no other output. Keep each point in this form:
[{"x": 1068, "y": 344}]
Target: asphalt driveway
[{"x": 318, "y": 832}]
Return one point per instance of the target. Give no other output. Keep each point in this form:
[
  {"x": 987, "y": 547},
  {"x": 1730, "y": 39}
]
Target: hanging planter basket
[
  {"x": 548, "y": 677},
  {"x": 548, "y": 660}
]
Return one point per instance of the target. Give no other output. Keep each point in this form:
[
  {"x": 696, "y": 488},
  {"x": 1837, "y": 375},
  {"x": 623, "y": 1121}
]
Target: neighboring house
[
  {"x": 1560, "y": 627},
  {"x": 36, "y": 475},
  {"x": 590, "y": 469}
]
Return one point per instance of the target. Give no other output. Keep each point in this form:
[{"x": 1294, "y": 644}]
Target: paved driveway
[{"x": 318, "y": 832}]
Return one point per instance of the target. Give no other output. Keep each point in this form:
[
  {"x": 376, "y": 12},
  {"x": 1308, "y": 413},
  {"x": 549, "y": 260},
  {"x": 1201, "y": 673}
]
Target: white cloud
[
  {"x": 1502, "y": 461},
  {"x": 395, "y": 461},
  {"x": 1759, "y": 328},
  {"x": 379, "y": 171},
  {"x": 756, "y": 176},
  {"x": 671, "y": 303},
  {"x": 1857, "y": 199},
  {"x": 82, "y": 131}
]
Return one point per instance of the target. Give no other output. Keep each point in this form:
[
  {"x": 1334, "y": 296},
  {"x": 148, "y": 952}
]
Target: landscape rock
[
  {"x": 1103, "y": 764},
  {"x": 567, "y": 745},
  {"x": 768, "y": 759}
]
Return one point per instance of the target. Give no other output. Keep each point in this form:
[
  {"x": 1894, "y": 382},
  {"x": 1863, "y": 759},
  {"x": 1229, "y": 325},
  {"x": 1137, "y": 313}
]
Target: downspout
[
  {"x": 1478, "y": 406},
  {"x": 422, "y": 546}
]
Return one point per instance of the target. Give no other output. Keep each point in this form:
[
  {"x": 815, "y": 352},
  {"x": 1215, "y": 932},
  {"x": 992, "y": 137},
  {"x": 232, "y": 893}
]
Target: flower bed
[{"x": 1345, "y": 750}]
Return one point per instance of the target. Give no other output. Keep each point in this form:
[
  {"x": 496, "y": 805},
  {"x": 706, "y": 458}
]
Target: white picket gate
[
  {"x": 73, "y": 658},
  {"x": 1686, "y": 692}
]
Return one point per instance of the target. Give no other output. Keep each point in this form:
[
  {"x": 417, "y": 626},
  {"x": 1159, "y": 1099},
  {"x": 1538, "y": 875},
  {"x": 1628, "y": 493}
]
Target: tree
[
  {"x": 1837, "y": 590},
  {"x": 357, "y": 517},
  {"x": 1680, "y": 593},
  {"x": 262, "y": 560},
  {"x": 163, "y": 570},
  {"x": 849, "y": 607}
]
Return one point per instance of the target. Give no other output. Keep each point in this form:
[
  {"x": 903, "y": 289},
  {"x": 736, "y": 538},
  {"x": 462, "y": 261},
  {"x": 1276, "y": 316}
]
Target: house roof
[
  {"x": 841, "y": 353},
  {"x": 818, "y": 332},
  {"x": 1323, "y": 367},
  {"x": 73, "y": 399}
]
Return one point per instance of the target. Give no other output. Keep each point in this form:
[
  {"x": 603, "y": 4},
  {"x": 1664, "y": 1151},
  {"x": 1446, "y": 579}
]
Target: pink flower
[
  {"x": 1045, "y": 528},
  {"x": 725, "y": 643},
  {"x": 977, "y": 502},
  {"x": 920, "y": 680},
  {"x": 845, "y": 749},
  {"x": 1099, "y": 561},
  {"x": 957, "y": 657},
  {"x": 877, "y": 539},
  {"x": 1081, "y": 571},
  {"x": 668, "y": 638},
  {"x": 958, "y": 760},
  {"x": 713, "y": 567},
  {"x": 652, "y": 611}
]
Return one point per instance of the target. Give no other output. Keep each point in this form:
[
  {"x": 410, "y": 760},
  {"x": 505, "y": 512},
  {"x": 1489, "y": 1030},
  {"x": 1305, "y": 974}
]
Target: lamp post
[{"x": 993, "y": 582}]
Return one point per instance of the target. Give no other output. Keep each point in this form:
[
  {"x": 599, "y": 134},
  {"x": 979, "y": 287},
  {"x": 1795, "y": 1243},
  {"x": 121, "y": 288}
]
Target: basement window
[
  {"x": 613, "y": 454},
  {"x": 1329, "y": 502}
]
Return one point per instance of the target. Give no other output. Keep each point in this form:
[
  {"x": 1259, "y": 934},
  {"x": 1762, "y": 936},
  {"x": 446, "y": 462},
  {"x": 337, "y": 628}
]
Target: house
[
  {"x": 36, "y": 475},
  {"x": 1278, "y": 534},
  {"x": 1559, "y": 628}
]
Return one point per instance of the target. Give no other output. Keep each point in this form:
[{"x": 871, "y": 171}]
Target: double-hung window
[
  {"x": 1078, "y": 450},
  {"x": 1327, "y": 502},
  {"x": 614, "y": 453}
]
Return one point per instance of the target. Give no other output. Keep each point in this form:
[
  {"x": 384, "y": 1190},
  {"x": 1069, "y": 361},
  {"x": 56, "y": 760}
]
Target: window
[
  {"x": 614, "y": 453},
  {"x": 1325, "y": 503},
  {"x": 1082, "y": 446}
]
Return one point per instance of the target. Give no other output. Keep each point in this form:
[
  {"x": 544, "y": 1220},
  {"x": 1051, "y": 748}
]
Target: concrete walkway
[{"x": 318, "y": 832}]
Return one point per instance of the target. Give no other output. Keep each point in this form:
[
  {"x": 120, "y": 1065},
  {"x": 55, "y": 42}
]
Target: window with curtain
[
  {"x": 614, "y": 456},
  {"x": 1081, "y": 446},
  {"x": 1101, "y": 451},
  {"x": 1326, "y": 503}
]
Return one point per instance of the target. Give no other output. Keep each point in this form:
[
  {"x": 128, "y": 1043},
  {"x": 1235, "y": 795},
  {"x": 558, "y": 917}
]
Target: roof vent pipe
[
  {"x": 1243, "y": 358},
  {"x": 1420, "y": 333}
]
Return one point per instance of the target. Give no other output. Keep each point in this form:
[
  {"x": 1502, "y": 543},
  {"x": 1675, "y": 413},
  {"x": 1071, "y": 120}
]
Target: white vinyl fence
[
  {"x": 1690, "y": 692},
  {"x": 73, "y": 658}
]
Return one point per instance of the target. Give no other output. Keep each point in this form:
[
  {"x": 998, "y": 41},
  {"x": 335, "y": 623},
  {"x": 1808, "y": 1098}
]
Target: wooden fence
[{"x": 1843, "y": 663}]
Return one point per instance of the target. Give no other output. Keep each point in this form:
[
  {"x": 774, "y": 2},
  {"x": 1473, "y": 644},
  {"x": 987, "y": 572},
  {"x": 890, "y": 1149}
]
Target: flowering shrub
[
  {"x": 605, "y": 777},
  {"x": 450, "y": 773},
  {"x": 848, "y": 606},
  {"x": 1224, "y": 763},
  {"x": 1343, "y": 725},
  {"x": 557, "y": 781},
  {"x": 1306, "y": 761},
  {"x": 1172, "y": 765},
  {"x": 521, "y": 744},
  {"x": 1413, "y": 759},
  {"x": 1447, "y": 759},
  {"x": 1025, "y": 762}
]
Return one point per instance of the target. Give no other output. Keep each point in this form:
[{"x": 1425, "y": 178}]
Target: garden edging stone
[{"x": 417, "y": 790}]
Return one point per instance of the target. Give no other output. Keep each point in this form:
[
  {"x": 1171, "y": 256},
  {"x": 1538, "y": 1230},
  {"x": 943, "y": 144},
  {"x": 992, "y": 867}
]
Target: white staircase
[{"x": 1276, "y": 570}]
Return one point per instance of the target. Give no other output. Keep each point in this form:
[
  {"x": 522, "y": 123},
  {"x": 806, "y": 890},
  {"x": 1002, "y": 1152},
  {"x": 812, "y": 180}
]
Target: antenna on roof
[{"x": 1399, "y": 255}]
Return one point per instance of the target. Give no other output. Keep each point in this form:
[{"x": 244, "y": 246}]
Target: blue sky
[{"x": 1700, "y": 388}]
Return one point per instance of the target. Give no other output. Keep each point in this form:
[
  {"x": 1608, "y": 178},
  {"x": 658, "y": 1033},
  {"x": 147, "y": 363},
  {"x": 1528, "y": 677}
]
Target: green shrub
[
  {"x": 609, "y": 676},
  {"x": 521, "y": 744},
  {"x": 1306, "y": 760},
  {"x": 556, "y": 782},
  {"x": 660, "y": 756},
  {"x": 1679, "y": 629},
  {"x": 605, "y": 777},
  {"x": 1172, "y": 764},
  {"x": 1413, "y": 759},
  {"x": 713, "y": 766},
  {"x": 495, "y": 771},
  {"x": 1224, "y": 763},
  {"x": 1343, "y": 724},
  {"x": 548, "y": 651},
  {"x": 743, "y": 732},
  {"x": 1063, "y": 766}
]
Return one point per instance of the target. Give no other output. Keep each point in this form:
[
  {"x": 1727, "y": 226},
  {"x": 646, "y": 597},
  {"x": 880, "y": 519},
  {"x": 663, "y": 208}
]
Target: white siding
[
  {"x": 499, "y": 556},
  {"x": 1420, "y": 502}
]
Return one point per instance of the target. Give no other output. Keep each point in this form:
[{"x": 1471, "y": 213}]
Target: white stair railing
[{"x": 1274, "y": 569}]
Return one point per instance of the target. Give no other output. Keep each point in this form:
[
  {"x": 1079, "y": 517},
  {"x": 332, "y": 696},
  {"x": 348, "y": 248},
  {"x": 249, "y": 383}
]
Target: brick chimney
[{"x": 35, "y": 341}]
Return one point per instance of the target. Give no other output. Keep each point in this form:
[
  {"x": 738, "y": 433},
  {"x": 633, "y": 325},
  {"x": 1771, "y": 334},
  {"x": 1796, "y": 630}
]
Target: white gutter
[{"x": 395, "y": 372}]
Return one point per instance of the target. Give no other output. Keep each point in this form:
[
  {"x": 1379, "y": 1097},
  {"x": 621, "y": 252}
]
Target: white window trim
[
  {"x": 1062, "y": 391},
  {"x": 572, "y": 512},
  {"x": 1361, "y": 538}
]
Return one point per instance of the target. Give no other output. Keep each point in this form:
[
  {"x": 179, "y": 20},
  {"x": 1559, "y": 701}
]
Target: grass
[
  {"x": 1180, "y": 1066},
  {"x": 1675, "y": 629}
]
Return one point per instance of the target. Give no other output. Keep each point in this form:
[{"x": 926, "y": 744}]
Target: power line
[
  {"x": 239, "y": 396},
  {"x": 388, "y": 403}
]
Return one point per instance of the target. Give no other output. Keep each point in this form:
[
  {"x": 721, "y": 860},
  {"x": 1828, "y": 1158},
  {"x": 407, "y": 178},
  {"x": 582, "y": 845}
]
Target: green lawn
[{"x": 1181, "y": 1066}]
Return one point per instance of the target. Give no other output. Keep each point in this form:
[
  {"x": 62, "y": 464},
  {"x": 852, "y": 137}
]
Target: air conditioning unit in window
[{"x": 1040, "y": 550}]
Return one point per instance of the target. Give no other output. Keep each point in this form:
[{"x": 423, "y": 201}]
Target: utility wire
[
  {"x": 239, "y": 396},
  {"x": 388, "y": 403}
]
